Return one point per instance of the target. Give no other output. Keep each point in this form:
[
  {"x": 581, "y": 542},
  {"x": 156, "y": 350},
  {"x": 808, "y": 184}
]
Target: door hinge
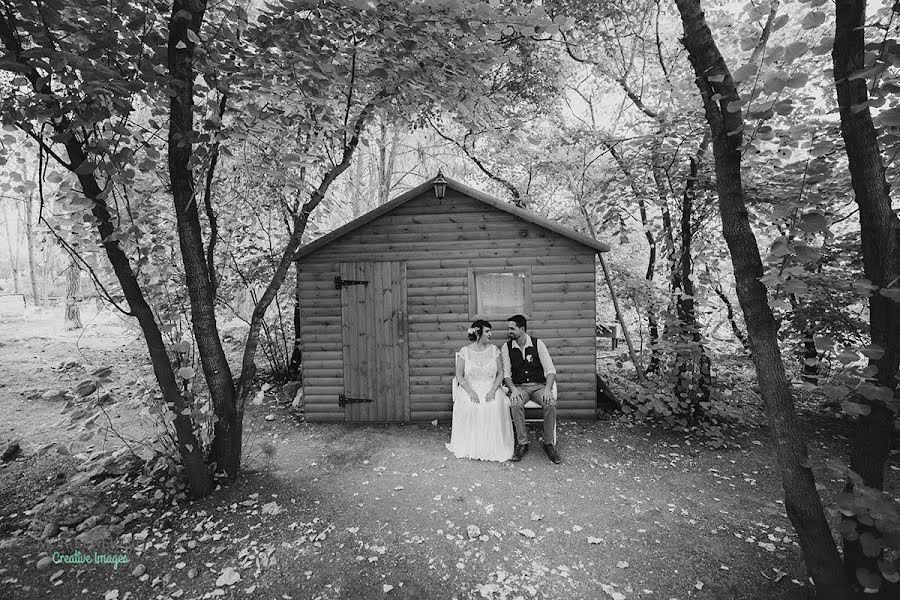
[
  {"x": 339, "y": 283},
  {"x": 344, "y": 400}
]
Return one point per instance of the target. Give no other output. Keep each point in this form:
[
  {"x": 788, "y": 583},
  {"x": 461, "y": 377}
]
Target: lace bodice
[{"x": 480, "y": 366}]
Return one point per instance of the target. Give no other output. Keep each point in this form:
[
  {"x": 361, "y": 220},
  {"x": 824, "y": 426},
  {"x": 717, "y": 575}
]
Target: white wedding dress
[{"x": 482, "y": 431}]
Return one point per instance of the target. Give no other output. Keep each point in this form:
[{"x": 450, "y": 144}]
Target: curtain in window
[{"x": 500, "y": 293}]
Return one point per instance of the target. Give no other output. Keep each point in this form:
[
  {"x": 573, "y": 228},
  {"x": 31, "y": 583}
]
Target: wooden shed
[{"x": 385, "y": 302}]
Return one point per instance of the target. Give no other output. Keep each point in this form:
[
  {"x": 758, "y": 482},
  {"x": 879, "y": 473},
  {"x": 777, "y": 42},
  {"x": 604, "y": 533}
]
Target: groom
[{"x": 528, "y": 372}]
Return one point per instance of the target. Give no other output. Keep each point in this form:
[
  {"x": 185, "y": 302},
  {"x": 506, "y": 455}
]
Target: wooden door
[{"x": 374, "y": 335}]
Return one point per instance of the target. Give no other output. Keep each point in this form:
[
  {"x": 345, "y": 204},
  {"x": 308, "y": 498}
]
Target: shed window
[{"x": 498, "y": 294}]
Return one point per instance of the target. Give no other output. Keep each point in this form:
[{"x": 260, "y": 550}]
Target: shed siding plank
[
  {"x": 448, "y": 254},
  {"x": 403, "y": 345}
]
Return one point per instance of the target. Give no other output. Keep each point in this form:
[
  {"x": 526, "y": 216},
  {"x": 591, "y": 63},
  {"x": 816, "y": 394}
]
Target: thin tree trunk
[
  {"x": 652, "y": 323},
  {"x": 29, "y": 241},
  {"x": 880, "y": 236},
  {"x": 384, "y": 176},
  {"x": 73, "y": 296},
  {"x": 248, "y": 366},
  {"x": 685, "y": 308},
  {"x": 729, "y": 310},
  {"x": 802, "y": 502},
  {"x": 639, "y": 370},
  {"x": 226, "y": 447},
  {"x": 13, "y": 243},
  {"x": 297, "y": 353}
]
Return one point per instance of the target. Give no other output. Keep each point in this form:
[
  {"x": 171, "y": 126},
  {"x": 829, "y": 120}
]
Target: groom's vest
[{"x": 527, "y": 368}]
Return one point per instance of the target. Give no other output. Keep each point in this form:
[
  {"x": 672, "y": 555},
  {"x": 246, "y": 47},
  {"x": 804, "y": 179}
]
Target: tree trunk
[
  {"x": 29, "y": 241},
  {"x": 226, "y": 448},
  {"x": 189, "y": 445},
  {"x": 297, "y": 352},
  {"x": 73, "y": 296},
  {"x": 802, "y": 502},
  {"x": 880, "y": 236}
]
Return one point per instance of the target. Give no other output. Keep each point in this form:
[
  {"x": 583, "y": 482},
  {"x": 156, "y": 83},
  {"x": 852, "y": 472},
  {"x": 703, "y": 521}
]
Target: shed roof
[{"x": 417, "y": 191}]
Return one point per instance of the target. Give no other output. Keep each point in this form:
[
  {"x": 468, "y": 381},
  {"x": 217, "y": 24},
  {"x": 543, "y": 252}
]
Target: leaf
[
  {"x": 386, "y": 588},
  {"x": 716, "y": 78},
  {"x": 813, "y": 222},
  {"x": 795, "y": 50},
  {"x": 622, "y": 564},
  {"x": 868, "y": 579},
  {"x": 86, "y": 168},
  {"x": 864, "y": 287},
  {"x": 888, "y": 571},
  {"x": 611, "y": 592},
  {"x": 180, "y": 45},
  {"x": 228, "y": 577},
  {"x": 813, "y": 19},
  {"x": 271, "y": 508},
  {"x": 594, "y": 540},
  {"x": 889, "y": 117},
  {"x": 890, "y": 293},
  {"x": 871, "y": 546},
  {"x": 872, "y": 351},
  {"x": 181, "y": 347},
  {"x": 193, "y": 37},
  {"x": 806, "y": 254},
  {"x": 526, "y": 532},
  {"x": 798, "y": 80},
  {"x": 185, "y": 372},
  {"x": 855, "y": 408}
]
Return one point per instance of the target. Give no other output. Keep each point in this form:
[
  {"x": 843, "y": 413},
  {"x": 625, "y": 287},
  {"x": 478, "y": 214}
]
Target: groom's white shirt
[{"x": 546, "y": 361}]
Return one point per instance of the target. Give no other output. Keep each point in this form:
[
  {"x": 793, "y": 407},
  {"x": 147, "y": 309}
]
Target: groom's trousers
[{"x": 533, "y": 392}]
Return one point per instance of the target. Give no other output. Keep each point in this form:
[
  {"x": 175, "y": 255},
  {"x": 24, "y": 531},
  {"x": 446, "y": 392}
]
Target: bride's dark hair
[{"x": 478, "y": 327}]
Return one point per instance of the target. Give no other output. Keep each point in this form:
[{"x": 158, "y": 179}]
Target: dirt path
[{"x": 339, "y": 511}]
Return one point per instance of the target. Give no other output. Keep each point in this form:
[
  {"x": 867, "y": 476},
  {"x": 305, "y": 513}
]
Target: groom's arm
[
  {"x": 549, "y": 369},
  {"x": 507, "y": 370}
]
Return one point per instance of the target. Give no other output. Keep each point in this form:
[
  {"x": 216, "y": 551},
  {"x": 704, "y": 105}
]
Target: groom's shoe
[
  {"x": 519, "y": 452},
  {"x": 552, "y": 454}
]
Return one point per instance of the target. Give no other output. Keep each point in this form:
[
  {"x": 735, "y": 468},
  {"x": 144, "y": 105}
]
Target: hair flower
[{"x": 470, "y": 330}]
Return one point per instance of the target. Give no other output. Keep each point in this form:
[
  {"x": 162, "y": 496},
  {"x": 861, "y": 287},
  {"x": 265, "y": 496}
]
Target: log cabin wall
[{"x": 440, "y": 241}]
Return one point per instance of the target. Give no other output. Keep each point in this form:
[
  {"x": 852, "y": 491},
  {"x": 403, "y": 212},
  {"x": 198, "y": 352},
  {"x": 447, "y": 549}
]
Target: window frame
[{"x": 473, "y": 294}]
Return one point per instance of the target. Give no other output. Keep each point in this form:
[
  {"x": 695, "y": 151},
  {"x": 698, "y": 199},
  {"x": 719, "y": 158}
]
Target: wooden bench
[
  {"x": 12, "y": 305},
  {"x": 611, "y": 332}
]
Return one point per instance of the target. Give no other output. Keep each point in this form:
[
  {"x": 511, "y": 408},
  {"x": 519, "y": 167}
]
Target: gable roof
[{"x": 417, "y": 191}]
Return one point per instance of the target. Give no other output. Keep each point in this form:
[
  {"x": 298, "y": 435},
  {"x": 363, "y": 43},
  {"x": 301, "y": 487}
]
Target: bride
[{"x": 482, "y": 427}]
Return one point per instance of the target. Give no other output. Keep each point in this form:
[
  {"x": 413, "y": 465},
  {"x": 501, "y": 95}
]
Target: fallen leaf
[
  {"x": 622, "y": 564},
  {"x": 271, "y": 508},
  {"x": 594, "y": 540},
  {"x": 527, "y": 533},
  {"x": 228, "y": 577},
  {"x": 611, "y": 591},
  {"x": 387, "y": 588}
]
